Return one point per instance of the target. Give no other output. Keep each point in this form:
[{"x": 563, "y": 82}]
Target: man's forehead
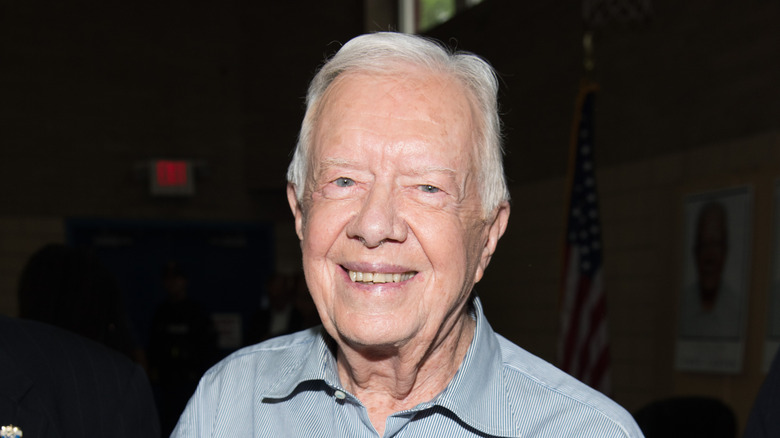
[
  {"x": 418, "y": 119},
  {"x": 436, "y": 87},
  {"x": 421, "y": 102}
]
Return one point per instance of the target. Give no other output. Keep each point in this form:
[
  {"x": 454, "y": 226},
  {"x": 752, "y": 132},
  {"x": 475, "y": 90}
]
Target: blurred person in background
[
  {"x": 286, "y": 308},
  {"x": 70, "y": 288},
  {"x": 67, "y": 374},
  {"x": 182, "y": 345}
]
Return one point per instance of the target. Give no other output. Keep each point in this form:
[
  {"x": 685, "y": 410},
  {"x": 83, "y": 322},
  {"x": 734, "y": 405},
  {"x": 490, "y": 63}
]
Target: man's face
[
  {"x": 392, "y": 197},
  {"x": 711, "y": 251}
]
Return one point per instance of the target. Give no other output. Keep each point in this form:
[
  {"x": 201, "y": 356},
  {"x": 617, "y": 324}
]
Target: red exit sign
[{"x": 171, "y": 177}]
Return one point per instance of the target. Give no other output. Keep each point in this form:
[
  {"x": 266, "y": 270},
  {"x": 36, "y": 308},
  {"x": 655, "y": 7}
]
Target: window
[
  {"x": 420, "y": 15},
  {"x": 433, "y": 12}
]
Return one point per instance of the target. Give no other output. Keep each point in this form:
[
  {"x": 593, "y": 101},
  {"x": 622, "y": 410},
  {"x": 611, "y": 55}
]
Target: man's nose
[{"x": 378, "y": 220}]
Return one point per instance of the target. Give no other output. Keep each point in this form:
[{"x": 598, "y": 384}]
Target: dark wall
[
  {"x": 282, "y": 44},
  {"x": 694, "y": 73},
  {"x": 91, "y": 90},
  {"x": 535, "y": 48}
]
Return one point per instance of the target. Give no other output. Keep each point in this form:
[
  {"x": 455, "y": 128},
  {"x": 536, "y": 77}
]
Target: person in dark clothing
[
  {"x": 182, "y": 346},
  {"x": 58, "y": 384},
  {"x": 69, "y": 288},
  {"x": 763, "y": 421},
  {"x": 286, "y": 308}
]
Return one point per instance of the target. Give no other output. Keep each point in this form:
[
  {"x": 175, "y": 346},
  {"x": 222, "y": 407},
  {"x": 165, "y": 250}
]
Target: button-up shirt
[{"x": 290, "y": 387}]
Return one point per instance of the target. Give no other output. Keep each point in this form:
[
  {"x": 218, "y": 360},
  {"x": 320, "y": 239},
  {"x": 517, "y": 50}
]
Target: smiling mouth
[{"x": 379, "y": 277}]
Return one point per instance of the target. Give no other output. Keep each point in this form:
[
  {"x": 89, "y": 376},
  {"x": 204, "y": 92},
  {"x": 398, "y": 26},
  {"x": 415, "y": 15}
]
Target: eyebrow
[
  {"x": 336, "y": 162},
  {"x": 433, "y": 169}
]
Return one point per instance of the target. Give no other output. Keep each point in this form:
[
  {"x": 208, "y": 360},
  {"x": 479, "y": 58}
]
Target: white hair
[{"x": 388, "y": 53}]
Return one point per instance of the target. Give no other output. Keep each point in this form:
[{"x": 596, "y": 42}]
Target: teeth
[{"x": 379, "y": 277}]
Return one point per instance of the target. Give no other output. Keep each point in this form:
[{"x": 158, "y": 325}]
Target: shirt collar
[
  {"x": 476, "y": 394},
  {"x": 309, "y": 360}
]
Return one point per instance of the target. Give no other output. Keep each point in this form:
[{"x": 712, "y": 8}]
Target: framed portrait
[{"x": 712, "y": 308}]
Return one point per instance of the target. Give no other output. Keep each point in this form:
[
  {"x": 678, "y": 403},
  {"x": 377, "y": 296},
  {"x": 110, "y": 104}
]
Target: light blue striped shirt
[{"x": 289, "y": 387}]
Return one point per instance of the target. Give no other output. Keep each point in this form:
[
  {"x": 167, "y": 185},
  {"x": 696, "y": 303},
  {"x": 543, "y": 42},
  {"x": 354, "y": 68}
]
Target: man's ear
[
  {"x": 297, "y": 212},
  {"x": 496, "y": 229}
]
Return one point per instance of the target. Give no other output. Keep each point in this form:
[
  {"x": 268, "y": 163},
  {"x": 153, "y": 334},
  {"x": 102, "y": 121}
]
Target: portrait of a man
[
  {"x": 711, "y": 305},
  {"x": 713, "y": 299}
]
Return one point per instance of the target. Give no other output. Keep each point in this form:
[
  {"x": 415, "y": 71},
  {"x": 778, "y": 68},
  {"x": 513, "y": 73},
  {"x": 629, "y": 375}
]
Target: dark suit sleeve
[
  {"x": 763, "y": 421},
  {"x": 63, "y": 385},
  {"x": 113, "y": 394},
  {"x": 137, "y": 414}
]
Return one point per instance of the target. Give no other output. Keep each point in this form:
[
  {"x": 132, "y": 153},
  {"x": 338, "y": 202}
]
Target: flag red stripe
[
  {"x": 597, "y": 315},
  {"x": 571, "y": 345}
]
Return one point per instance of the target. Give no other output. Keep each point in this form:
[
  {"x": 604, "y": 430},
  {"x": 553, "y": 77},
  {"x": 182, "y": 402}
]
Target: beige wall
[{"x": 641, "y": 209}]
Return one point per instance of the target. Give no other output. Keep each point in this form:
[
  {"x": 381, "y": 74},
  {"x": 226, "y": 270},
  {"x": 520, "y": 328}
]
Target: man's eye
[
  {"x": 427, "y": 188},
  {"x": 344, "y": 182}
]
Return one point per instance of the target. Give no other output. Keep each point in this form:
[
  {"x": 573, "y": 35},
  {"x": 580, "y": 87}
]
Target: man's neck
[{"x": 393, "y": 380}]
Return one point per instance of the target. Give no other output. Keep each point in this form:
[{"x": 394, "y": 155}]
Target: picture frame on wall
[{"x": 713, "y": 298}]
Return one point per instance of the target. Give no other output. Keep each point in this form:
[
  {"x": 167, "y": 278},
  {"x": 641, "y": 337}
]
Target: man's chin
[{"x": 370, "y": 339}]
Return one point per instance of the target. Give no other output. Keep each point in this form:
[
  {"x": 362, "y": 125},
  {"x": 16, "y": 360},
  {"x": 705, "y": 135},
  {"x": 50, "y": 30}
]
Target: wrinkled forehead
[{"x": 432, "y": 105}]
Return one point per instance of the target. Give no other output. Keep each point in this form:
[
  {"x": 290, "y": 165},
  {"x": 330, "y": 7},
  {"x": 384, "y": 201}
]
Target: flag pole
[
  {"x": 587, "y": 85},
  {"x": 583, "y": 344}
]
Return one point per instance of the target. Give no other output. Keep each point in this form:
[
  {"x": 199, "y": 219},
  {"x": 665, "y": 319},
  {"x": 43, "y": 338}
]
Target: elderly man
[{"x": 399, "y": 199}]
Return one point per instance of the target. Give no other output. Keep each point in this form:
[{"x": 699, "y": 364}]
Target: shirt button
[{"x": 340, "y": 395}]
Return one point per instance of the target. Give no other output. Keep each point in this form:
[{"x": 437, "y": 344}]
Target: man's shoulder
[
  {"x": 22, "y": 338},
  {"x": 59, "y": 360},
  {"x": 54, "y": 375},
  {"x": 271, "y": 358},
  {"x": 540, "y": 387}
]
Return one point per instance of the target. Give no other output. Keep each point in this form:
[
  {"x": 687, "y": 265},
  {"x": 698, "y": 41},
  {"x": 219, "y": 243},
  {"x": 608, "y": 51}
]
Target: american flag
[{"x": 584, "y": 347}]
